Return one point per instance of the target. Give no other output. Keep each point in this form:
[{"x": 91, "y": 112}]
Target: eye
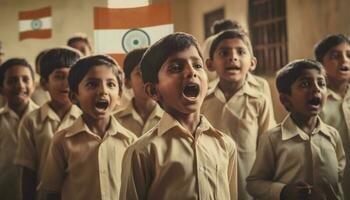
[
  {"x": 111, "y": 84},
  {"x": 26, "y": 79},
  {"x": 223, "y": 52},
  {"x": 321, "y": 83},
  {"x": 305, "y": 84},
  {"x": 60, "y": 77},
  {"x": 11, "y": 81},
  {"x": 334, "y": 55},
  {"x": 175, "y": 67},
  {"x": 197, "y": 65},
  {"x": 91, "y": 84},
  {"x": 348, "y": 54},
  {"x": 241, "y": 51}
]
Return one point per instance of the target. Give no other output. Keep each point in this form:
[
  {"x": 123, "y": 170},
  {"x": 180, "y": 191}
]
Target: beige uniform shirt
[
  {"x": 130, "y": 119},
  {"x": 40, "y": 96},
  {"x": 336, "y": 113},
  {"x": 82, "y": 165},
  {"x": 287, "y": 155},
  {"x": 169, "y": 163},
  {"x": 35, "y": 134},
  {"x": 10, "y": 173},
  {"x": 244, "y": 117}
]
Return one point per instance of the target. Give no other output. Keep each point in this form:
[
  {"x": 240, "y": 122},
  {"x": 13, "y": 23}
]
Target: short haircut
[
  {"x": 132, "y": 59},
  {"x": 230, "y": 34},
  {"x": 37, "y": 60},
  {"x": 78, "y": 38},
  {"x": 11, "y": 63},
  {"x": 288, "y": 74},
  {"x": 224, "y": 24},
  {"x": 159, "y": 52},
  {"x": 57, "y": 58},
  {"x": 327, "y": 43},
  {"x": 82, "y": 67}
]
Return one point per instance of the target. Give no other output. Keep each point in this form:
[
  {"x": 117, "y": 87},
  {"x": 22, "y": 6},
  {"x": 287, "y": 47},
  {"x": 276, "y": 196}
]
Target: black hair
[
  {"x": 37, "y": 60},
  {"x": 157, "y": 54},
  {"x": 82, "y": 67},
  {"x": 57, "y": 58},
  {"x": 78, "y": 38},
  {"x": 288, "y": 74},
  {"x": 224, "y": 24},
  {"x": 230, "y": 34},
  {"x": 132, "y": 59},
  {"x": 11, "y": 63},
  {"x": 327, "y": 43}
]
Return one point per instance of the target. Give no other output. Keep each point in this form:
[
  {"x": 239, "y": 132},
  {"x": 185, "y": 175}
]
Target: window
[{"x": 268, "y": 34}]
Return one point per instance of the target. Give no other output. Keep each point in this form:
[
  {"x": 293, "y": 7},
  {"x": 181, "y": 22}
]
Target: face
[
  {"x": 136, "y": 83},
  {"x": 57, "y": 86},
  {"x": 232, "y": 61},
  {"x": 82, "y": 47},
  {"x": 98, "y": 93},
  {"x": 182, "y": 83},
  {"x": 337, "y": 62},
  {"x": 18, "y": 85},
  {"x": 308, "y": 94}
]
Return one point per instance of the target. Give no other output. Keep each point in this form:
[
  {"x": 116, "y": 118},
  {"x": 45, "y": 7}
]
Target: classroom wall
[{"x": 68, "y": 17}]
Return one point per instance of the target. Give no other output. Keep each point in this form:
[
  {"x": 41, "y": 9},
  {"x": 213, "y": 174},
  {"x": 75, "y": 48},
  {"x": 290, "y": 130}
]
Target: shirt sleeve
[
  {"x": 259, "y": 182},
  {"x": 340, "y": 156},
  {"x": 26, "y": 152},
  {"x": 266, "y": 119},
  {"x": 232, "y": 174},
  {"x": 135, "y": 175},
  {"x": 55, "y": 166}
]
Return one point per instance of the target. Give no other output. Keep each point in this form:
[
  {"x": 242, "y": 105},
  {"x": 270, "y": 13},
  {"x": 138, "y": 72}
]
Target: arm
[
  {"x": 28, "y": 184},
  {"x": 259, "y": 183}
]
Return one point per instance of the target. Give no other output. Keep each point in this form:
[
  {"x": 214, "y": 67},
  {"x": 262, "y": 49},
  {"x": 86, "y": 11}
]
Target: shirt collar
[
  {"x": 79, "y": 126},
  {"x": 30, "y": 107},
  {"x": 246, "y": 89},
  {"x": 167, "y": 122},
  {"x": 129, "y": 109},
  {"x": 290, "y": 129},
  {"x": 334, "y": 95},
  {"x": 47, "y": 112}
]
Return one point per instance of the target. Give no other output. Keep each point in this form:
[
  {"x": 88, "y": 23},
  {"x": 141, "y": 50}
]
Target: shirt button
[{"x": 202, "y": 168}]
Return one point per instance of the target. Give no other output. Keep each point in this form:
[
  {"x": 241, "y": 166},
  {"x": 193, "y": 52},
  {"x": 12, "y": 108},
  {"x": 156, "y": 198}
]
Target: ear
[
  {"x": 253, "y": 63},
  {"x": 151, "y": 91},
  {"x": 127, "y": 83},
  {"x": 284, "y": 98},
  {"x": 43, "y": 84},
  {"x": 210, "y": 65},
  {"x": 73, "y": 98}
]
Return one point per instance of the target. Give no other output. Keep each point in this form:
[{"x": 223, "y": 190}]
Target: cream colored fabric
[
  {"x": 244, "y": 117},
  {"x": 288, "y": 155},
  {"x": 130, "y": 119},
  {"x": 10, "y": 173},
  {"x": 170, "y": 163},
  {"x": 35, "y": 134},
  {"x": 82, "y": 165},
  {"x": 40, "y": 96},
  {"x": 336, "y": 113}
]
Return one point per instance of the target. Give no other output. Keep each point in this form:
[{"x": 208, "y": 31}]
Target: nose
[
  {"x": 190, "y": 71},
  {"x": 315, "y": 87},
  {"x": 233, "y": 56},
  {"x": 102, "y": 89},
  {"x": 345, "y": 57},
  {"x": 20, "y": 84}
]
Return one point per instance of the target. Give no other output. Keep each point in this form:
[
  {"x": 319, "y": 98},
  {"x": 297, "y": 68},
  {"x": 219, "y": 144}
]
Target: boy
[
  {"x": 235, "y": 106},
  {"x": 301, "y": 158},
  {"x": 80, "y": 42},
  {"x": 39, "y": 126},
  {"x": 16, "y": 84},
  {"x": 142, "y": 112},
  {"x": 84, "y": 161},
  {"x": 183, "y": 156},
  {"x": 334, "y": 53},
  {"x": 40, "y": 96}
]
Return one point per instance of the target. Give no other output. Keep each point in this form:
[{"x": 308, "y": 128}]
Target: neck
[
  {"x": 305, "y": 124},
  {"x": 144, "y": 107},
  {"x": 338, "y": 86},
  {"x": 230, "y": 88},
  {"x": 99, "y": 126},
  {"x": 60, "y": 109},
  {"x": 19, "y": 109},
  {"x": 189, "y": 122}
]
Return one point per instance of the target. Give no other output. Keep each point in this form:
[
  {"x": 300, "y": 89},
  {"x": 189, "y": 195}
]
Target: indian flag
[
  {"x": 120, "y": 30},
  {"x": 35, "y": 23}
]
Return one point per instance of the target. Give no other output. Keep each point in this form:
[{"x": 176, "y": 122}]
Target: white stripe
[
  {"x": 127, "y": 3},
  {"x": 110, "y": 41},
  {"x": 25, "y": 25}
]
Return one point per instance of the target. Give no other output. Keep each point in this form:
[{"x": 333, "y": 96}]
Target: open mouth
[
  {"x": 316, "y": 101},
  {"x": 102, "y": 104},
  {"x": 344, "y": 68},
  {"x": 191, "y": 90},
  {"x": 232, "y": 68}
]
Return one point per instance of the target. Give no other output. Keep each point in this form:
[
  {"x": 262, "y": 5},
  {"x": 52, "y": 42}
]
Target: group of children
[{"x": 175, "y": 139}]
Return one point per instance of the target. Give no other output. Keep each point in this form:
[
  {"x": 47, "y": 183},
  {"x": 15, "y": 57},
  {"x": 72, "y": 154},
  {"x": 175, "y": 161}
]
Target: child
[
  {"x": 334, "y": 53},
  {"x": 40, "y": 96},
  {"x": 142, "y": 112},
  {"x": 183, "y": 156},
  {"x": 39, "y": 126},
  {"x": 84, "y": 161},
  {"x": 80, "y": 42},
  {"x": 16, "y": 84},
  {"x": 234, "y": 105},
  {"x": 301, "y": 158}
]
